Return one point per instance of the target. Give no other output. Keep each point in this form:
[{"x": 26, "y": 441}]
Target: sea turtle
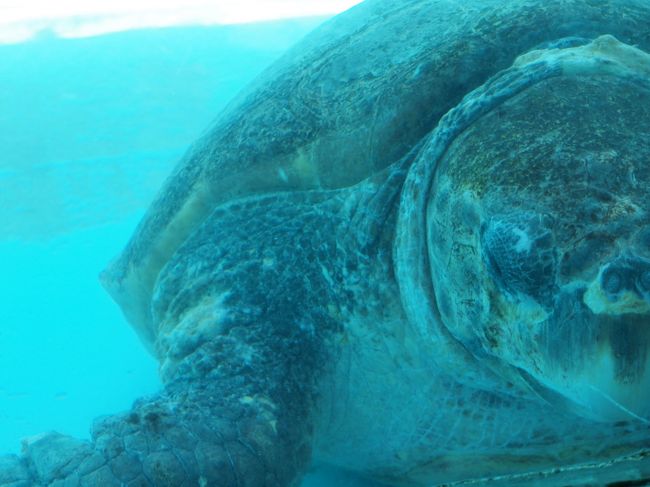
[{"x": 417, "y": 248}]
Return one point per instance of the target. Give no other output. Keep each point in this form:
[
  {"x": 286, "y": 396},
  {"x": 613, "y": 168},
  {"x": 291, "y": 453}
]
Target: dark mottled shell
[{"x": 351, "y": 98}]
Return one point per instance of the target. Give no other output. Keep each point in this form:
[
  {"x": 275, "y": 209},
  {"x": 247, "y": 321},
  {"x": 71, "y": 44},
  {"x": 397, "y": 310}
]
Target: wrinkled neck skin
[
  {"x": 522, "y": 252},
  {"x": 414, "y": 410}
]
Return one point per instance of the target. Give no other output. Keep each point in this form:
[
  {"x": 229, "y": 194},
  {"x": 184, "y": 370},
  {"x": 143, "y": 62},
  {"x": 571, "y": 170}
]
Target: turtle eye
[{"x": 520, "y": 255}]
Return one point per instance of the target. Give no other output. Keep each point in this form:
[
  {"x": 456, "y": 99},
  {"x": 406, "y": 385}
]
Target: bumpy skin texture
[
  {"x": 244, "y": 312},
  {"x": 352, "y": 98},
  {"x": 236, "y": 410}
]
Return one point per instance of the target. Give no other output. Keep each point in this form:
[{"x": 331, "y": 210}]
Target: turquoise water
[{"x": 89, "y": 128}]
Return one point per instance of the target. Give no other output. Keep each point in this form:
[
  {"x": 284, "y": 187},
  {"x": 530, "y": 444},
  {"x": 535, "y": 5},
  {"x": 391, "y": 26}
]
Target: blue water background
[{"x": 89, "y": 128}]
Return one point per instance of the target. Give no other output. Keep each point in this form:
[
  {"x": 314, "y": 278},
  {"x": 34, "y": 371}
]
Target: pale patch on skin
[
  {"x": 265, "y": 407},
  {"x": 282, "y": 174},
  {"x": 605, "y": 55},
  {"x": 199, "y": 324},
  {"x": 524, "y": 244},
  {"x": 133, "y": 291},
  {"x": 304, "y": 168}
]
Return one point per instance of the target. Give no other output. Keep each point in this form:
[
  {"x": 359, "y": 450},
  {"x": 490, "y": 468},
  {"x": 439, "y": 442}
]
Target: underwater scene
[{"x": 340, "y": 243}]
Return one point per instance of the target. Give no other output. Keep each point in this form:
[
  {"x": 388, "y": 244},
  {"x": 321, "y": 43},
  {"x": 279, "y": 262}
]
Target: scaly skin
[
  {"x": 193, "y": 433},
  {"x": 237, "y": 404}
]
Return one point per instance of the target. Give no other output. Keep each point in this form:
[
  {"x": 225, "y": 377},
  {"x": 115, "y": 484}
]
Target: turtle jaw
[
  {"x": 620, "y": 377},
  {"x": 578, "y": 332},
  {"x": 616, "y": 384},
  {"x": 613, "y": 384},
  {"x": 597, "y": 362}
]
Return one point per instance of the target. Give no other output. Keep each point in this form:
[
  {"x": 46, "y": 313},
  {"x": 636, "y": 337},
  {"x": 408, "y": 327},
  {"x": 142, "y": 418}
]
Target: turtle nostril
[{"x": 612, "y": 282}]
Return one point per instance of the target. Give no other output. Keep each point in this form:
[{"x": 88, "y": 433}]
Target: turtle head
[
  {"x": 538, "y": 237},
  {"x": 571, "y": 312}
]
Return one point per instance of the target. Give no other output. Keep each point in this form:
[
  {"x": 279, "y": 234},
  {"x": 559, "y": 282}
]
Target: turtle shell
[{"x": 351, "y": 98}]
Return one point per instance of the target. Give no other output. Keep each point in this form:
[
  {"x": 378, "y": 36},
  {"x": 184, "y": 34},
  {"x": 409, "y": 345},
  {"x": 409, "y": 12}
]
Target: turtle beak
[
  {"x": 616, "y": 377},
  {"x": 616, "y": 381},
  {"x": 596, "y": 344}
]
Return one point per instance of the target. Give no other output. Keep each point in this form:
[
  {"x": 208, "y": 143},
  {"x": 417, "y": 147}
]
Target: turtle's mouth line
[
  {"x": 593, "y": 365},
  {"x": 624, "y": 336},
  {"x": 598, "y": 360},
  {"x": 617, "y": 405}
]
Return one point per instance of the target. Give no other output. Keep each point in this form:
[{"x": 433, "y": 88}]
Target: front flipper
[
  {"x": 188, "y": 435},
  {"x": 243, "y": 313}
]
